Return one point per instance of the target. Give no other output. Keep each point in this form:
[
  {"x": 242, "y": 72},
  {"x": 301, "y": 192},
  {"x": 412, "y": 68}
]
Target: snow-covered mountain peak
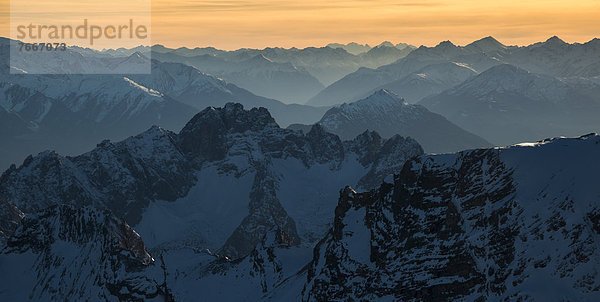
[
  {"x": 592, "y": 138},
  {"x": 136, "y": 58},
  {"x": 506, "y": 78},
  {"x": 379, "y": 102},
  {"x": 386, "y": 94}
]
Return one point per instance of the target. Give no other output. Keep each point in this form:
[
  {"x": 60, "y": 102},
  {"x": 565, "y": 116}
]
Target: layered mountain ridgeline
[
  {"x": 71, "y": 113},
  {"x": 507, "y": 104},
  {"x": 508, "y": 224},
  {"x": 327, "y": 64},
  {"x": 515, "y": 223},
  {"x": 259, "y": 74},
  {"x": 430, "y": 67},
  {"x": 173, "y": 187},
  {"x": 230, "y": 186},
  {"x": 389, "y": 115},
  {"x": 290, "y": 75},
  {"x": 67, "y": 253}
]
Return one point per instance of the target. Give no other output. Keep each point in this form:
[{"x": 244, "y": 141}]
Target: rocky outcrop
[
  {"x": 502, "y": 224},
  {"x": 65, "y": 253},
  {"x": 266, "y": 213},
  {"x": 158, "y": 165},
  {"x": 10, "y": 218}
]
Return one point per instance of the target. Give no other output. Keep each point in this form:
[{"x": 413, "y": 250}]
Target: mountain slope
[
  {"x": 552, "y": 57},
  {"x": 10, "y": 218},
  {"x": 359, "y": 83},
  {"x": 70, "y": 113},
  {"x": 176, "y": 190},
  {"x": 507, "y": 105},
  {"x": 387, "y": 114},
  {"x": 430, "y": 80},
  {"x": 162, "y": 173},
  {"x": 517, "y": 223},
  {"x": 327, "y": 64},
  {"x": 258, "y": 74},
  {"x": 63, "y": 253}
]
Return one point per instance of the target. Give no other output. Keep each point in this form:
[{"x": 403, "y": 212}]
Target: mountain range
[
  {"x": 465, "y": 226},
  {"x": 290, "y": 75},
  {"x": 168, "y": 187},
  {"x": 553, "y": 57},
  {"x": 389, "y": 115},
  {"x": 165, "y": 180},
  {"x": 507, "y": 104},
  {"x": 550, "y": 89},
  {"x": 71, "y": 112},
  {"x": 515, "y": 223}
]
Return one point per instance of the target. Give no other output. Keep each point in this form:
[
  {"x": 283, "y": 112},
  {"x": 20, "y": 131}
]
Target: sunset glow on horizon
[{"x": 233, "y": 24}]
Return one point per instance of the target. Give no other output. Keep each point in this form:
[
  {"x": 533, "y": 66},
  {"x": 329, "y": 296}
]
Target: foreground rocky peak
[
  {"x": 512, "y": 223},
  {"x": 158, "y": 172},
  {"x": 232, "y": 117},
  {"x": 73, "y": 253}
]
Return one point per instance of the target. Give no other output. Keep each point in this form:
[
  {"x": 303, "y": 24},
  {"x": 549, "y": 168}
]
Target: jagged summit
[
  {"x": 231, "y": 117},
  {"x": 445, "y": 44},
  {"x": 386, "y": 44},
  {"x": 388, "y": 114},
  {"x": 555, "y": 41},
  {"x": 385, "y": 93},
  {"x": 457, "y": 227},
  {"x": 138, "y": 55},
  {"x": 487, "y": 44},
  {"x": 380, "y": 101},
  {"x": 205, "y": 134}
]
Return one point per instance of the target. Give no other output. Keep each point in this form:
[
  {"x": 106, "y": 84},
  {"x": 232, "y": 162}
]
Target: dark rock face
[
  {"x": 205, "y": 135},
  {"x": 122, "y": 176},
  {"x": 389, "y": 159},
  {"x": 326, "y": 147},
  {"x": 78, "y": 254},
  {"x": 266, "y": 213},
  {"x": 464, "y": 227},
  {"x": 367, "y": 146},
  {"x": 10, "y": 218}
]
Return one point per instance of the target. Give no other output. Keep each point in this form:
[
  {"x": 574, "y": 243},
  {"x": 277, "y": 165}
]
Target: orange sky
[{"x": 232, "y": 24}]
